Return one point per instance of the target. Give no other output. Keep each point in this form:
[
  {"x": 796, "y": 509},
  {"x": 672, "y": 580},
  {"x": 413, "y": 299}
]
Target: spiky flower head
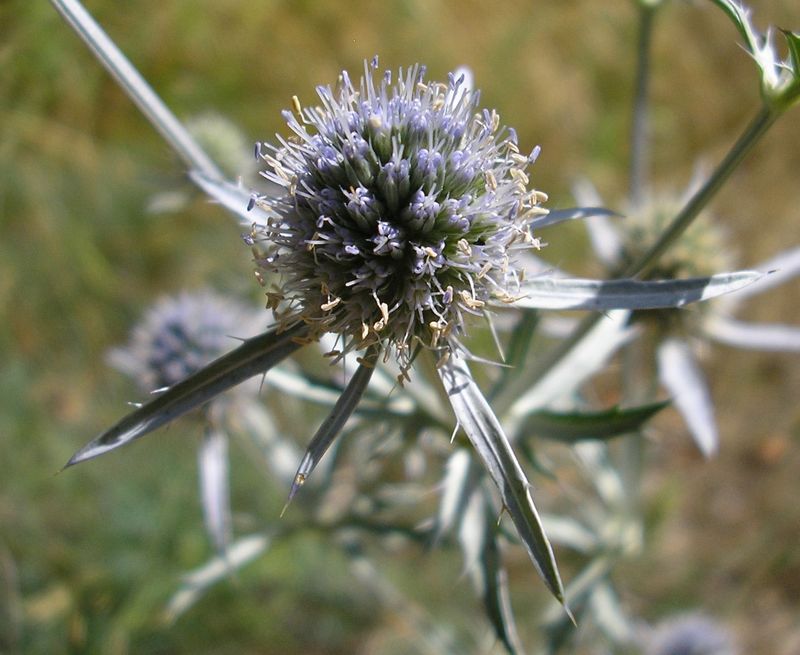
[
  {"x": 702, "y": 250},
  {"x": 179, "y": 335},
  {"x": 404, "y": 207},
  {"x": 690, "y": 634}
]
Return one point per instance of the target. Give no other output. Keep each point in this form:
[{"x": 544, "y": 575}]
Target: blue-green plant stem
[
  {"x": 170, "y": 128},
  {"x": 752, "y": 134},
  {"x": 640, "y": 136},
  {"x": 635, "y": 378},
  {"x": 639, "y": 268}
]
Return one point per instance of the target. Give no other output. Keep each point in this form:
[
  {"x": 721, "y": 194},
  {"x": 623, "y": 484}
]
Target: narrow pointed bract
[
  {"x": 253, "y": 357},
  {"x": 481, "y": 426},
  {"x": 598, "y": 295},
  {"x": 681, "y": 375},
  {"x": 334, "y": 422},
  {"x": 214, "y": 487}
]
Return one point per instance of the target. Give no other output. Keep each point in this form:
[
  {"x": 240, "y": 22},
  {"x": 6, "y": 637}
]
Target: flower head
[
  {"x": 703, "y": 249},
  {"x": 690, "y": 634},
  {"x": 403, "y": 208},
  {"x": 179, "y": 335}
]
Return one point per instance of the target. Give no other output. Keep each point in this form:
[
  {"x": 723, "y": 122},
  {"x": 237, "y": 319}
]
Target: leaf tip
[{"x": 568, "y": 612}]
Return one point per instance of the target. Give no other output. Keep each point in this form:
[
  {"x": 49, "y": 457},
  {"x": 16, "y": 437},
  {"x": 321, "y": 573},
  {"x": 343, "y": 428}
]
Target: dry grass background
[{"x": 88, "y": 557}]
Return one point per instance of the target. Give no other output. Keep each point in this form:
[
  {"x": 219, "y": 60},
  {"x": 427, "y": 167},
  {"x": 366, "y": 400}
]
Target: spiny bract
[{"x": 404, "y": 205}]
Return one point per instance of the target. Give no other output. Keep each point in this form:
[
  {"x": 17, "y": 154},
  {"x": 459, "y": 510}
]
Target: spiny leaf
[
  {"x": 570, "y": 427},
  {"x": 334, "y": 422},
  {"x": 598, "y": 295},
  {"x": 254, "y": 356},
  {"x": 481, "y": 426},
  {"x": 556, "y": 216}
]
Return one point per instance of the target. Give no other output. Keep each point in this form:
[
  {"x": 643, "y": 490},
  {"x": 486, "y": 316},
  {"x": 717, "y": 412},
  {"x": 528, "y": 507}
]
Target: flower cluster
[
  {"x": 403, "y": 207},
  {"x": 702, "y": 251},
  {"x": 179, "y": 335}
]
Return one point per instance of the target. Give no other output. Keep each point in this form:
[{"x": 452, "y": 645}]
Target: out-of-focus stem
[
  {"x": 754, "y": 131},
  {"x": 640, "y": 137},
  {"x": 636, "y": 381},
  {"x": 136, "y": 87}
]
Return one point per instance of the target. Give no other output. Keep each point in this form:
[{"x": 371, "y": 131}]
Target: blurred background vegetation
[{"x": 89, "y": 557}]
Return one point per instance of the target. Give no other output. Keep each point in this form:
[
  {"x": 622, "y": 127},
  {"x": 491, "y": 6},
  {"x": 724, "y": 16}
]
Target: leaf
[
  {"x": 482, "y": 428},
  {"x": 214, "y": 487},
  {"x": 197, "y": 582},
  {"x": 767, "y": 337},
  {"x": 334, "y": 422},
  {"x": 254, "y": 356},
  {"x": 680, "y": 374},
  {"x": 598, "y": 295},
  {"x": 556, "y": 216},
  {"x": 570, "y": 427},
  {"x": 232, "y": 197}
]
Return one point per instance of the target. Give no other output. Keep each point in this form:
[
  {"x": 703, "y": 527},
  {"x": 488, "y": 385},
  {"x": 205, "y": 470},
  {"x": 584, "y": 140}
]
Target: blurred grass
[{"x": 89, "y": 557}]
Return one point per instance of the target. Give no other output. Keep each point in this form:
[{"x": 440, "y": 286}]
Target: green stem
[
  {"x": 639, "y": 124},
  {"x": 754, "y": 131},
  {"x": 170, "y": 128},
  {"x": 631, "y": 454}
]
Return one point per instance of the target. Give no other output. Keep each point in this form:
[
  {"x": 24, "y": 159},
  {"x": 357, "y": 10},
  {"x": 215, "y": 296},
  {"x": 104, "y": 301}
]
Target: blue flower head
[
  {"x": 179, "y": 335},
  {"x": 403, "y": 208}
]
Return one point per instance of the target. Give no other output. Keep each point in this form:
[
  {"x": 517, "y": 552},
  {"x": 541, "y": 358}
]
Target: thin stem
[
  {"x": 631, "y": 454},
  {"x": 135, "y": 86},
  {"x": 640, "y": 129},
  {"x": 639, "y": 268},
  {"x": 753, "y": 132}
]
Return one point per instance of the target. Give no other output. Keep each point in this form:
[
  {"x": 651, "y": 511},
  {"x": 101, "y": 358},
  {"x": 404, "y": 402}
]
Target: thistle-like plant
[{"x": 405, "y": 212}]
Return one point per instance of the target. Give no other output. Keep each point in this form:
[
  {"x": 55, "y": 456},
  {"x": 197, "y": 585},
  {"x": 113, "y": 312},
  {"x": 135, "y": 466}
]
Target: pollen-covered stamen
[{"x": 404, "y": 207}]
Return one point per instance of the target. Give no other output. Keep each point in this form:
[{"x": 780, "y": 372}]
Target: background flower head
[{"x": 179, "y": 335}]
